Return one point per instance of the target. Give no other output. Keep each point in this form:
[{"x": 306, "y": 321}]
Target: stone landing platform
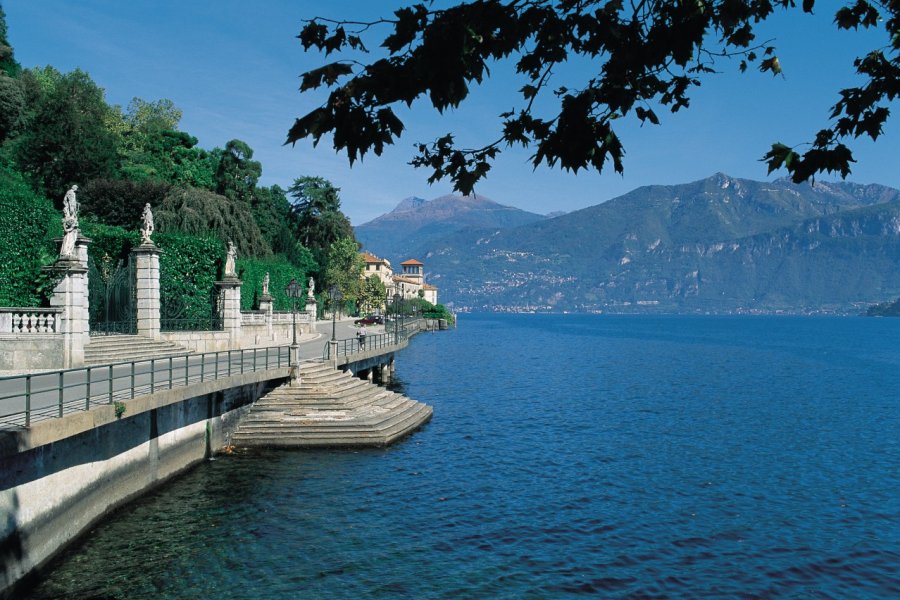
[{"x": 330, "y": 408}]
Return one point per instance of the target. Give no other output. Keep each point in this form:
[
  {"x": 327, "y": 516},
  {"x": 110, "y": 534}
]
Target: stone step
[
  {"x": 330, "y": 408},
  {"x": 360, "y": 419},
  {"x": 339, "y": 436},
  {"x": 355, "y": 419},
  {"x": 113, "y": 349}
]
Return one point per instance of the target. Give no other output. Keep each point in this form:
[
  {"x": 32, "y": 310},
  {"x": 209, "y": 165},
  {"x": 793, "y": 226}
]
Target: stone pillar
[
  {"x": 265, "y": 304},
  {"x": 146, "y": 257},
  {"x": 230, "y": 308},
  {"x": 81, "y": 254},
  {"x": 333, "y": 352},
  {"x": 71, "y": 295},
  {"x": 313, "y": 309}
]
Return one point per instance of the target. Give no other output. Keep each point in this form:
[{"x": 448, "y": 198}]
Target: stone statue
[
  {"x": 229, "y": 261},
  {"x": 147, "y": 229},
  {"x": 312, "y": 288},
  {"x": 266, "y": 284},
  {"x": 69, "y": 223},
  {"x": 70, "y": 205},
  {"x": 70, "y": 227}
]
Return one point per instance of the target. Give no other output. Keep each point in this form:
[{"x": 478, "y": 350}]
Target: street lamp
[
  {"x": 293, "y": 291},
  {"x": 336, "y": 296},
  {"x": 396, "y": 317}
]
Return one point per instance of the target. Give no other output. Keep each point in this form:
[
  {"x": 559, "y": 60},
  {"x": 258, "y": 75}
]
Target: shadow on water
[{"x": 11, "y": 546}]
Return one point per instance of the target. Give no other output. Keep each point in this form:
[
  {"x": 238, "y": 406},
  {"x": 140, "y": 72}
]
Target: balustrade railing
[
  {"x": 253, "y": 317},
  {"x": 30, "y": 320}
]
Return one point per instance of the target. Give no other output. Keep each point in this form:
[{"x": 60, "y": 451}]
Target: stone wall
[
  {"x": 199, "y": 341},
  {"x": 30, "y": 352}
]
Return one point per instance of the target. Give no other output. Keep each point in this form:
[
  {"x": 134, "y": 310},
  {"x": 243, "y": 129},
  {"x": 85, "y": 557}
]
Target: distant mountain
[
  {"x": 411, "y": 228},
  {"x": 719, "y": 245}
]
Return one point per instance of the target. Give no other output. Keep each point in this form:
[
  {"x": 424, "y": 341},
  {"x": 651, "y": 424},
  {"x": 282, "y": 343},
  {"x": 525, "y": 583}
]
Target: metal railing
[
  {"x": 52, "y": 394},
  {"x": 350, "y": 346}
]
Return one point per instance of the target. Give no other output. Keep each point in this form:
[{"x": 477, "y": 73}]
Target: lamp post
[
  {"x": 402, "y": 308},
  {"x": 396, "y": 318},
  {"x": 293, "y": 291},
  {"x": 336, "y": 296}
]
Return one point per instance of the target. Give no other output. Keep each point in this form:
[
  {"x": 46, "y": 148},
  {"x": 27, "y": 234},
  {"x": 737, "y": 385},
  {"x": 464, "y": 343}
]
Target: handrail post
[
  {"x": 171, "y": 383},
  {"x": 28, "y": 401},
  {"x": 152, "y": 375},
  {"x": 186, "y": 370},
  {"x": 87, "y": 402},
  {"x": 109, "y": 380},
  {"x": 202, "y": 367},
  {"x": 229, "y": 363},
  {"x": 132, "y": 380},
  {"x": 61, "y": 382}
]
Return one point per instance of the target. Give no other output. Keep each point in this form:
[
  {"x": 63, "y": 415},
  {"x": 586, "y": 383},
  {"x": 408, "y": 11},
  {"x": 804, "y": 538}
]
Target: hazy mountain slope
[
  {"x": 718, "y": 244},
  {"x": 415, "y": 223}
]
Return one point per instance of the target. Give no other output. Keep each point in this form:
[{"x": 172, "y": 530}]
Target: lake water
[{"x": 568, "y": 455}]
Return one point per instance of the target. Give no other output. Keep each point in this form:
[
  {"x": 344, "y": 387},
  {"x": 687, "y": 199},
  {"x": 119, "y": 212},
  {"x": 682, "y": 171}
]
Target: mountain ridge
[{"x": 720, "y": 244}]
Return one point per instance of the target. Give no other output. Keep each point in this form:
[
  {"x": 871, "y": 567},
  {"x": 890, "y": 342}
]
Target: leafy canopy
[
  {"x": 316, "y": 207},
  {"x": 646, "y": 55}
]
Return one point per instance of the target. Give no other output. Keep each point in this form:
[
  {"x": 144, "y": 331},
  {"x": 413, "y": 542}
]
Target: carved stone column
[{"x": 147, "y": 313}]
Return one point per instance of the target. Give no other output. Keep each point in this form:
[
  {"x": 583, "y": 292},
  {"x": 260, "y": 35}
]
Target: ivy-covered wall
[
  {"x": 281, "y": 271},
  {"x": 28, "y": 225},
  {"x": 188, "y": 269}
]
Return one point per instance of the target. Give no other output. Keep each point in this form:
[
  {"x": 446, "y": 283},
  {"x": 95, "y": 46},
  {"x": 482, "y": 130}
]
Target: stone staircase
[
  {"x": 330, "y": 408},
  {"x": 107, "y": 349}
]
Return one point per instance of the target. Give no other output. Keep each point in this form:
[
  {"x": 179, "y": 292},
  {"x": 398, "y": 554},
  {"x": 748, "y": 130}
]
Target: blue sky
[{"x": 233, "y": 68}]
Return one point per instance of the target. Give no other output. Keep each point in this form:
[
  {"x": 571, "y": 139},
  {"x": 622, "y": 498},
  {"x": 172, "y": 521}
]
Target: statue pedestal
[
  {"x": 71, "y": 295},
  {"x": 312, "y": 308},
  {"x": 265, "y": 304},
  {"x": 230, "y": 308},
  {"x": 147, "y": 311}
]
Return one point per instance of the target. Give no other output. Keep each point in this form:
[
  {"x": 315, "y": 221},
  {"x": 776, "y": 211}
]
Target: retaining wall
[
  {"x": 34, "y": 351},
  {"x": 62, "y": 475}
]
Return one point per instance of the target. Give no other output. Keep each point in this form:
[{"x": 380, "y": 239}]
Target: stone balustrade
[
  {"x": 286, "y": 317},
  {"x": 29, "y": 320},
  {"x": 253, "y": 317}
]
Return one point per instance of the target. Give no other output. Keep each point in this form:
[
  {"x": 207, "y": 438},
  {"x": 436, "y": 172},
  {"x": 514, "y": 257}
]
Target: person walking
[{"x": 361, "y": 336}]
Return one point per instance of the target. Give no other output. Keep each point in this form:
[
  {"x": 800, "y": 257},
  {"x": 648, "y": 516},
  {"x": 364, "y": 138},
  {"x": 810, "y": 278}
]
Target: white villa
[{"x": 407, "y": 283}]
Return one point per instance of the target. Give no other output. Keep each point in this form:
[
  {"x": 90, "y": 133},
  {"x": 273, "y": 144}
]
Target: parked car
[{"x": 370, "y": 320}]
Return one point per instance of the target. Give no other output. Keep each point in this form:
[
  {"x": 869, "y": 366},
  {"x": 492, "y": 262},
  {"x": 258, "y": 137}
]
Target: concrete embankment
[{"x": 62, "y": 475}]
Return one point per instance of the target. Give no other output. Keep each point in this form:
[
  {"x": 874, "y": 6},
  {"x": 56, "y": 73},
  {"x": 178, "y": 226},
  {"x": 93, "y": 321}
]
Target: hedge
[{"x": 28, "y": 226}]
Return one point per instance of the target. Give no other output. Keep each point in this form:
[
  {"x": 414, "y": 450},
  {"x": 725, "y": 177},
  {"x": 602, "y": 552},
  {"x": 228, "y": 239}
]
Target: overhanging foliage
[{"x": 646, "y": 56}]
